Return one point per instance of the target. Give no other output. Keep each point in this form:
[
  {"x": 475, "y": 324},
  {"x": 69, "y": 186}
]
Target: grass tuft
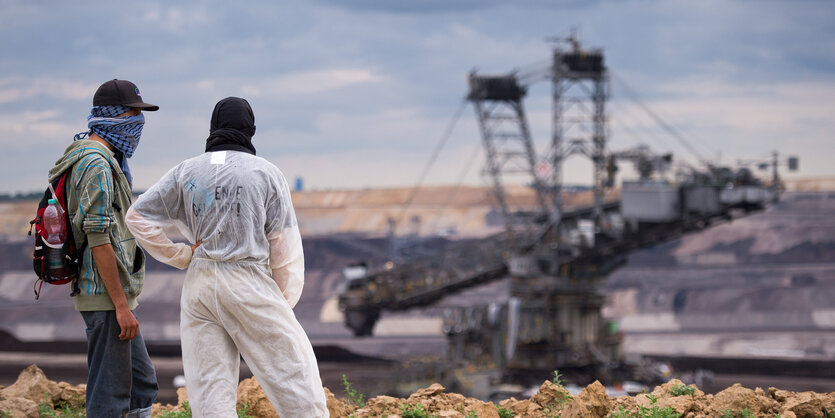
[
  {"x": 738, "y": 413},
  {"x": 185, "y": 413},
  {"x": 353, "y": 395},
  {"x": 558, "y": 379},
  {"x": 505, "y": 413},
  {"x": 680, "y": 390},
  {"x": 643, "y": 412},
  {"x": 415, "y": 411}
]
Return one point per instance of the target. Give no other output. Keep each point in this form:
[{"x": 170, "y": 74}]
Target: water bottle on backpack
[
  {"x": 54, "y": 256},
  {"x": 53, "y": 221}
]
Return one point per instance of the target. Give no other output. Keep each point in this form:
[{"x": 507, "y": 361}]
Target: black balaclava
[{"x": 232, "y": 128}]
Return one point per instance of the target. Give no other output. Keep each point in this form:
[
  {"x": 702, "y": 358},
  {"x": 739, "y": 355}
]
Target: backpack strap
[
  {"x": 79, "y": 250},
  {"x": 76, "y": 289}
]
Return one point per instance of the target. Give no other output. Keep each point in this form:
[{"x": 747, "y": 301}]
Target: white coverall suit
[{"x": 241, "y": 284}]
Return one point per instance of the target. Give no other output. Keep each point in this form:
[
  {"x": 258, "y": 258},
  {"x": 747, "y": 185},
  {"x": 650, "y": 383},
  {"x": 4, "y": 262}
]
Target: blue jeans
[{"x": 121, "y": 380}]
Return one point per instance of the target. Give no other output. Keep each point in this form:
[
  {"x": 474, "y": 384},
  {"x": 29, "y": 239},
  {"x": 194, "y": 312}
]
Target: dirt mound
[
  {"x": 33, "y": 392},
  {"x": 32, "y": 389},
  {"x": 672, "y": 399}
]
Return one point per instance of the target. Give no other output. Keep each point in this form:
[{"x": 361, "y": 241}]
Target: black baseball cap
[{"x": 121, "y": 92}]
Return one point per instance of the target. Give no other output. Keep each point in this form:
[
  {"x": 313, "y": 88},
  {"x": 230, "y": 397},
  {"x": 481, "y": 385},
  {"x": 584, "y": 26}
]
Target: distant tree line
[
  {"x": 29, "y": 196},
  {"x": 19, "y": 197}
]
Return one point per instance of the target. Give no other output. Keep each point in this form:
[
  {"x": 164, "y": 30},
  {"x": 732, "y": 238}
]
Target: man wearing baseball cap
[{"x": 121, "y": 380}]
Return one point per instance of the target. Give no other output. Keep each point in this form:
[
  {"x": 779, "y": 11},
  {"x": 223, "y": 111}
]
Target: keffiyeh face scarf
[{"x": 121, "y": 132}]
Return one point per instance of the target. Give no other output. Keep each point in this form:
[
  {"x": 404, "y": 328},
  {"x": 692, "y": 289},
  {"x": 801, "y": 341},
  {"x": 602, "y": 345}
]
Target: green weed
[
  {"x": 62, "y": 411},
  {"x": 186, "y": 413},
  {"x": 656, "y": 412},
  {"x": 470, "y": 414},
  {"x": 505, "y": 413},
  {"x": 46, "y": 411},
  {"x": 415, "y": 411},
  {"x": 744, "y": 413},
  {"x": 558, "y": 379},
  {"x": 643, "y": 412},
  {"x": 353, "y": 395},
  {"x": 551, "y": 411},
  {"x": 243, "y": 411},
  {"x": 621, "y": 413},
  {"x": 680, "y": 390}
]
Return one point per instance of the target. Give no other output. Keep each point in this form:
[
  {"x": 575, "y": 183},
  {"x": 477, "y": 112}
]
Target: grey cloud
[{"x": 440, "y": 6}]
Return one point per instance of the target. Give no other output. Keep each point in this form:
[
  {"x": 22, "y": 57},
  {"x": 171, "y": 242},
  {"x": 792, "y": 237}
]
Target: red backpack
[{"x": 68, "y": 254}]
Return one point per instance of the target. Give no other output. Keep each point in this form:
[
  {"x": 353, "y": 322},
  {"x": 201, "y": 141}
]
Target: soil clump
[{"x": 33, "y": 395}]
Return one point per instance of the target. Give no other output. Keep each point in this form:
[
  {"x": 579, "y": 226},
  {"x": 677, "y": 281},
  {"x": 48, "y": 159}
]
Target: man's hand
[
  {"x": 128, "y": 324},
  {"x": 105, "y": 260},
  {"x": 195, "y": 245}
]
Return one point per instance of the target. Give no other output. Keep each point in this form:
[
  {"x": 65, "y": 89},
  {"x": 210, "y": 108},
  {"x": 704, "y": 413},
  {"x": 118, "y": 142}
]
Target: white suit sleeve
[
  {"x": 154, "y": 210},
  {"x": 282, "y": 229},
  {"x": 152, "y": 239},
  {"x": 287, "y": 262}
]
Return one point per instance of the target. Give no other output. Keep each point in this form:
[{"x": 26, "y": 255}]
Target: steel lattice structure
[{"x": 580, "y": 90}]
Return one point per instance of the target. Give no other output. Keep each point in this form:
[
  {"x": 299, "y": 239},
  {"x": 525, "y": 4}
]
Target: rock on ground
[
  {"x": 31, "y": 389},
  {"x": 19, "y": 408},
  {"x": 251, "y": 394},
  {"x": 591, "y": 402}
]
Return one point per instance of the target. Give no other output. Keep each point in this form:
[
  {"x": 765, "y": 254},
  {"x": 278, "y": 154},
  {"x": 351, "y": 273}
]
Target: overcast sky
[{"x": 357, "y": 93}]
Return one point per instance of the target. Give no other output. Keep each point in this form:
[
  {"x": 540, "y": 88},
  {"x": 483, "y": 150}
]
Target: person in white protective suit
[{"x": 245, "y": 270}]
